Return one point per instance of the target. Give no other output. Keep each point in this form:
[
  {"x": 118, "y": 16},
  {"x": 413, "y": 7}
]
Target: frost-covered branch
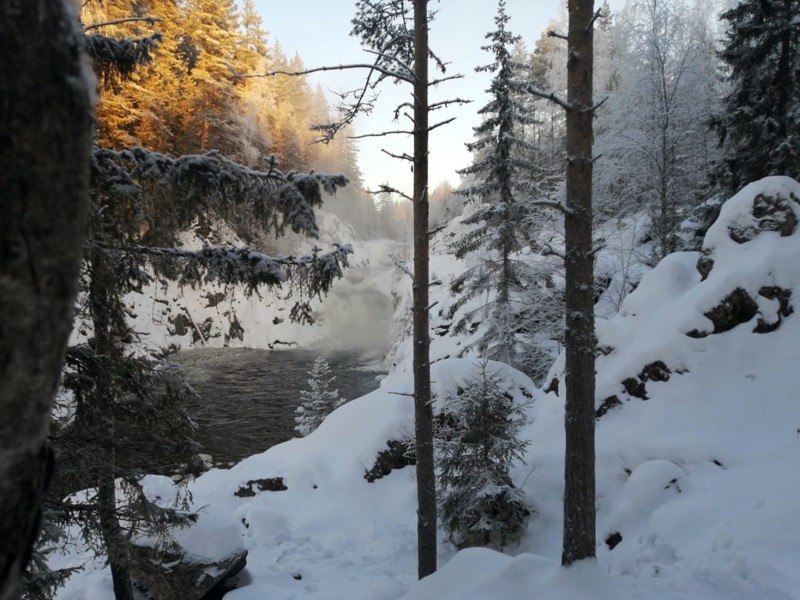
[
  {"x": 192, "y": 184},
  {"x": 402, "y": 265}
]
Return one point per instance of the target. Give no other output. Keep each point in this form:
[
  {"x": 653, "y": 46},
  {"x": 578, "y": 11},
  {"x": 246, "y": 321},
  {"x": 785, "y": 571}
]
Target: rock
[
  {"x": 606, "y": 406},
  {"x": 271, "y": 484},
  {"x": 396, "y": 457},
  {"x": 737, "y": 308},
  {"x": 770, "y": 213},
  {"x": 168, "y": 575},
  {"x": 784, "y": 308},
  {"x": 704, "y": 265}
]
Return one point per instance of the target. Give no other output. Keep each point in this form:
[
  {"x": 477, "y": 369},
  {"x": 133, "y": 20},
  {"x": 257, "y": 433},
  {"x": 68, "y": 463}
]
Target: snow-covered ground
[{"x": 698, "y": 454}]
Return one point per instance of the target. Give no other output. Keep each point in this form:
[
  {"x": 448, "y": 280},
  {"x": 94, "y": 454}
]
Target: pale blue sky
[{"x": 318, "y": 30}]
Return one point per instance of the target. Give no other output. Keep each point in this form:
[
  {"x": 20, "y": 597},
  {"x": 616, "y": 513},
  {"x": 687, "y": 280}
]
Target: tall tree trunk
[
  {"x": 45, "y": 138},
  {"x": 103, "y": 301},
  {"x": 579, "y": 476},
  {"x": 423, "y": 415}
]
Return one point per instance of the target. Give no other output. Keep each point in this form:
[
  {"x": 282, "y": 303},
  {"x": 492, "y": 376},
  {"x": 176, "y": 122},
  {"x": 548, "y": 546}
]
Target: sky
[{"x": 319, "y": 31}]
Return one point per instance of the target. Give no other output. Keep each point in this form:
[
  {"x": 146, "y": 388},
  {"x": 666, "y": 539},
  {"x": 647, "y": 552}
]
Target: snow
[{"x": 699, "y": 479}]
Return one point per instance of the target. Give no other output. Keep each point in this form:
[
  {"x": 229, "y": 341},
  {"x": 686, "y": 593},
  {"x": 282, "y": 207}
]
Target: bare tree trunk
[
  {"x": 45, "y": 137},
  {"x": 579, "y": 476},
  {"x": 426, "y": 480}
]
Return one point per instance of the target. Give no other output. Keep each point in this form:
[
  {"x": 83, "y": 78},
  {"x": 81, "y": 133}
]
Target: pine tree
[
  {"x": 479, "y": 504},
  {"x": 504, "y": 174},
  {"x": 319, "y": 400},
  {"x": 760, "y": 124}
]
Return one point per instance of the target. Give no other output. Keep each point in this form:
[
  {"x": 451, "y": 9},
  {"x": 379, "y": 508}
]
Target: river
[{"x": 248, "y": 397}]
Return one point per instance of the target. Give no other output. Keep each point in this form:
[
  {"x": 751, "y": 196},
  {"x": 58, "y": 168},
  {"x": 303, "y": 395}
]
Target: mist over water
[{"x": 357, "y": 314}]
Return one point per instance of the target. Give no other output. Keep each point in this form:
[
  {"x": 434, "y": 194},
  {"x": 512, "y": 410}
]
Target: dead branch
[
  {"x": 387, "y": 189},
  {"x": 552, "y": 204},
  {"x": 555, "y": 34},
  {"x": 551, "y": 96},
  {"x": 381, "y": 134},
  {"x": 403, "y": 156},
  {"x": 440, "y": 123}
]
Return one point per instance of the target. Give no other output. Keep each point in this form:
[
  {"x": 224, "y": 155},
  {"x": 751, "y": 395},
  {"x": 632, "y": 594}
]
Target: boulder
[{"x": 166, "y": 574}]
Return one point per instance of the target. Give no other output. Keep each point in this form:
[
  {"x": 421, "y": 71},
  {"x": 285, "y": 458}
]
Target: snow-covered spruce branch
[
  {"x": 312, "y": 273},
  {"x": 118, "y": 57},
  {"x": 212, "y": 182}
]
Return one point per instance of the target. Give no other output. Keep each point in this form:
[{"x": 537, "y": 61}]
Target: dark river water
[{"x": 248, "y": 397}]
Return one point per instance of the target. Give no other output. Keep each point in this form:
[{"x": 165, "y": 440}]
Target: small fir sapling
[
  {"x": 478, "y": 504},
  {"x": 319, "y": 401}
]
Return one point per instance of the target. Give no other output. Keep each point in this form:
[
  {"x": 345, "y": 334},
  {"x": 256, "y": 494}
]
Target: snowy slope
[{"x": 698, "y": 453}]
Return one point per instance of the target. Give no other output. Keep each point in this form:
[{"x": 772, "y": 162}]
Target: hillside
[{"x": 697, "y": 454}]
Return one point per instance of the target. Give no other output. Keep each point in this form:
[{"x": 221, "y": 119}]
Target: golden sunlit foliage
[{"x": 190, "y": 99}]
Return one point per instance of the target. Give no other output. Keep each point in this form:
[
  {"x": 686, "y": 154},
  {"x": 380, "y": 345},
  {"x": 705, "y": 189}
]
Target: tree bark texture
[
  {"x": 46, "y": 111},
  {"x": 423, "y": 415},
  {"x": 579, "y": 476}
]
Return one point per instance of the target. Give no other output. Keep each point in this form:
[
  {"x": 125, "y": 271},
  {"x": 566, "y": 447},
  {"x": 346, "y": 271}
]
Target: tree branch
[
  {"x": 440, "y": 123},
  {"x": 552, "y": 204},
  {"x": 446, "y": 103},
  {"x": 402, "y": 265},
  {"x": 549, "y": 96},
  {"x": 149, "y": 20},
  {"x": 403, "y": 156},
  {"x": 380, "y": 134},
  {"x": 387, "y": 189},
  {"x": 443, "y": 79},
  {"x": 597, "y": 14},
  {"x": 555, "y": 34}
]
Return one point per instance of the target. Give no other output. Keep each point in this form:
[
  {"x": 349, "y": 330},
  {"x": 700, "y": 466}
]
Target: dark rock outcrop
[
  {"x": 270, "y": 484},
  {"x": 168, "y": 575},
  {"x": 397, "y": 456}
]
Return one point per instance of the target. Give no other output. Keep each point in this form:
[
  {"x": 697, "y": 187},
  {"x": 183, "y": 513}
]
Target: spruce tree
[
  {"x": 319, "y": 400},
  {"x": 501, "y": 175},
  {"x": 478, "y": 501},
  {"x": 760, "y": 124},
  {"x": 124, "y": 398}
]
